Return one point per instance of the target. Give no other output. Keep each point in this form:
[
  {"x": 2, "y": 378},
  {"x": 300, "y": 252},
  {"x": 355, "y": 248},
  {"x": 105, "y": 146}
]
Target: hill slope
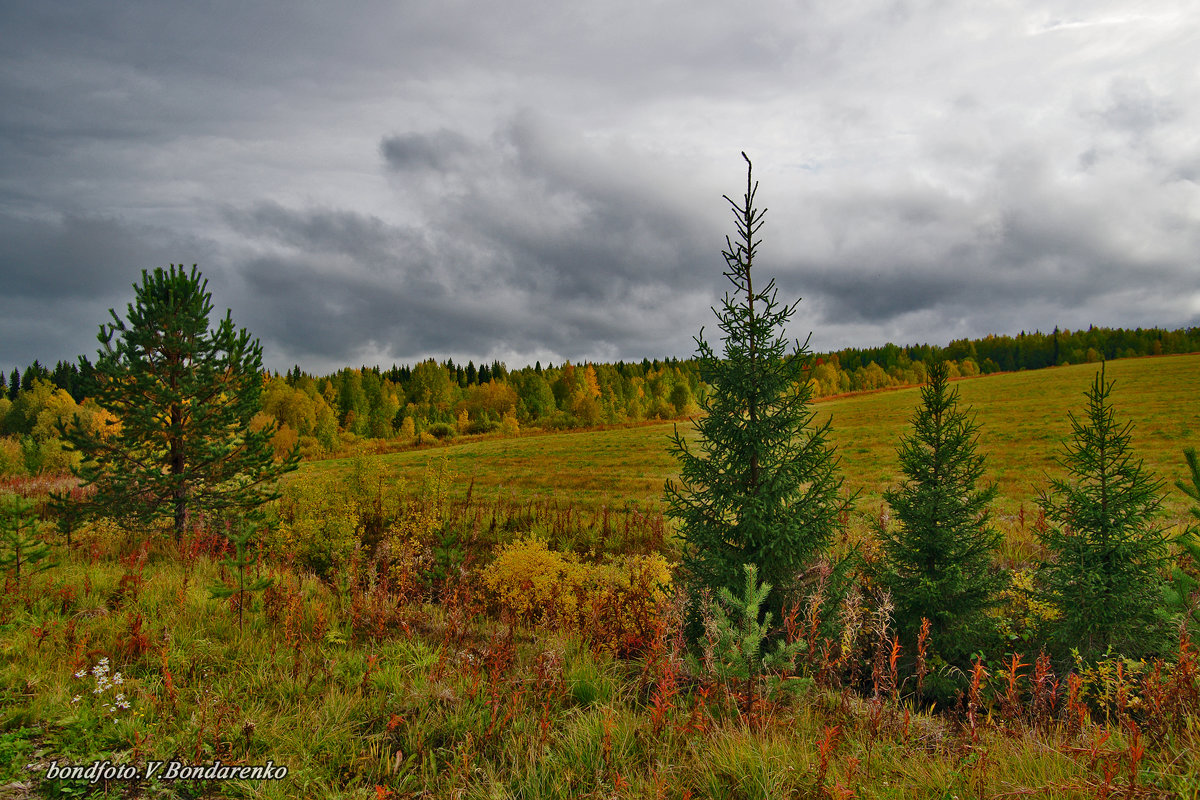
[{"x": 1023, "y": 419}]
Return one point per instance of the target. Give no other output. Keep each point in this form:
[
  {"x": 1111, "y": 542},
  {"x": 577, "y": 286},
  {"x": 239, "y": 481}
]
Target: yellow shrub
[
  {"x": 407, "y": 547},
  {"x": 509, "y": 426},
  {"x": 534, "y": 583},
  {"x": 616, "y": 604},
  {"x": 12, "y": 457}
]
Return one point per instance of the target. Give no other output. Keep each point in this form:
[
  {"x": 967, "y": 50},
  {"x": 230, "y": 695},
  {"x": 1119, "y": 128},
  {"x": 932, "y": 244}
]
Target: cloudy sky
[{"x": 382, "y": 182}]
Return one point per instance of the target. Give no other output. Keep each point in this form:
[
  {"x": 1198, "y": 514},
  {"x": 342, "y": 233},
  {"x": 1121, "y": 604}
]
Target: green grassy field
[{"x": 1023, "y": 418}]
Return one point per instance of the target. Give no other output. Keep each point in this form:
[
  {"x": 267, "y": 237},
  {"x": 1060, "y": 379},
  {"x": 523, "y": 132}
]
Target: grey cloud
[
  {"x": 345, "y": 283},
  {"x": 1134, "y": 107},
  {"x": 435, "y": 151},
  {"x": 573, "y": 221},
  {"x": 58, "y": 278},
  {"x": 69, "y": 257},
  {"x": 1029, "y": 239}
]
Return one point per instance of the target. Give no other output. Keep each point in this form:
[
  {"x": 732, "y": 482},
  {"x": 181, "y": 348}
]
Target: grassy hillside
[{"x": 1023, "y": 417}]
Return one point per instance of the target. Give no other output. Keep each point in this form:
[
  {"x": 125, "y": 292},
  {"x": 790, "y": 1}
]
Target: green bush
[
  {"x": 483, "y": 426},
  {"x": 318, "y": 525},
  {"x": 441, "y": 430}
]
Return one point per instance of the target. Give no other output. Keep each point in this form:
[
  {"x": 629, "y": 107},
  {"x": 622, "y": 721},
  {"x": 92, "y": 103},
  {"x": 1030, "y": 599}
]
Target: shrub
[
  {"x": 737, "y": 629},
  {"x": 1021, "y": 614},
  {"x": 21, "y": 545},
  {"x": 509, "y": 426},
  {"x": 441, "y": 430},
  {"x": 483, "y": 425},
  {"x": 615, "y": 603},
  {"x": 318, "y": 526}
]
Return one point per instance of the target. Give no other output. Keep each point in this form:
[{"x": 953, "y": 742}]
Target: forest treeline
[{"x": 326, "y": 414}]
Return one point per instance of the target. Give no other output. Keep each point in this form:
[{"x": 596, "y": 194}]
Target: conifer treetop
[
  {"x": 761, "y": 486},
  {"x": 184, "y": 394}
]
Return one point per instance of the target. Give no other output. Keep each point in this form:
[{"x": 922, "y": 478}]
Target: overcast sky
[{"x": 383, "y": 182}]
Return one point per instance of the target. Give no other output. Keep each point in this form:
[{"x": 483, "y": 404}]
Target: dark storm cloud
[
  {"x": 588, "y": 224},
  {"x": 523, "y": 244},
  {"x": 98, "y": 254},
  {"x": 59, "y": 278}
]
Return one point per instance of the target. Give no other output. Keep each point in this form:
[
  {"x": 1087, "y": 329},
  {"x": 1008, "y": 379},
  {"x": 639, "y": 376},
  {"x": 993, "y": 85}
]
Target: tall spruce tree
[
  {"x": 938, "y": 557},
  {"x": 1108, "y": 550},
  {"x": 184, "y": 395},
  {"x": 762, "y": 487}
]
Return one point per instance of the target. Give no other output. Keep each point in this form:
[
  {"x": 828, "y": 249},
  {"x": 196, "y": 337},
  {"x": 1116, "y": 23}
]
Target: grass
[
  {"x": 1023, "y": 419},
  {"x": 497, "y": 712}
]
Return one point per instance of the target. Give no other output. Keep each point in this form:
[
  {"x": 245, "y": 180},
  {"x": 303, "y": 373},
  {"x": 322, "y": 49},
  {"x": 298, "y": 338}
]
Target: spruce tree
[
  {"x": 184, "y": 395},
  {"x": 1108, "y": 550},
  {"x": 738, "y": 631},
  {"x": 1182, "y": 594},
  {"x": 938, "y": 557},
  {"x": 762, "y": 486}
]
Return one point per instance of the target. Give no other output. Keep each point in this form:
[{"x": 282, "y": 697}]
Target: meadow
[
  {"x": 1022, "y": 417},
  {"x": 416, "y": 642}
]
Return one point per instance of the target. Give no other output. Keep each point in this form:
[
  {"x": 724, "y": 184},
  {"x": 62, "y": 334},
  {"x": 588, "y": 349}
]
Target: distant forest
[{"x": 437, "y": 400}]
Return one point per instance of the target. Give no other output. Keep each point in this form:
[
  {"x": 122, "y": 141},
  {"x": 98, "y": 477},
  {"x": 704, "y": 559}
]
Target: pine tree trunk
[{"x": 178, "y": 464}]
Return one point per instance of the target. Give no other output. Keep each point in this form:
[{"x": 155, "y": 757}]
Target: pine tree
[
  {"x": 938, "y": 558},
  {"x": 184, "y": 395},
  {"x": 21, "y": 546},
  {"x": 239, "y": 562},
  {"x": 1108, "y": 551},
  {"x": 763, "y": 487}
]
